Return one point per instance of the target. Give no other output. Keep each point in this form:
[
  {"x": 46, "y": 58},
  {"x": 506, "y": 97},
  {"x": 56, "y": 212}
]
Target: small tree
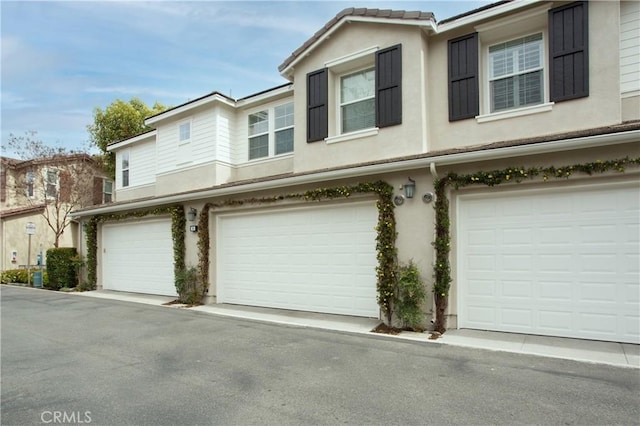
[
  {"x": 120, "y": 120},
  {"x": 51, "y": 176}
]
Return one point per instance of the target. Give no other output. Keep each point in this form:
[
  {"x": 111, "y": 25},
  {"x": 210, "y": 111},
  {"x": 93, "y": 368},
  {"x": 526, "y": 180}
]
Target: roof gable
[{"x": 400, "y": 17}]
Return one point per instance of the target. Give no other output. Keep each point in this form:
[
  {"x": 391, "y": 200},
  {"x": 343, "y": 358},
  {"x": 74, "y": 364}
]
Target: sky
[{"x": 62, "y": 59}]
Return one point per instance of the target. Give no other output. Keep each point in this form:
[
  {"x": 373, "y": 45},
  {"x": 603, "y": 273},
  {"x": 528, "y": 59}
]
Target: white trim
[
  {"x": 215, "y": 97},
  {"x": 263, "y": 160},
  {"x": 526, "y": 15},
  {"x": 130, "y": 141},
  {"x": 286, "y": 72},
  {"x": 181, "y": 123},
  {"x": 393, "y": 166},
  {"x": 485, "y": 14},
  {"x": 501, "y": 115},
  {"x": 267, "y": 96},
  {"x": 630, "y": 94},
  {"x": 351, "y": 57},
  {"x": 363, "y": 133}
]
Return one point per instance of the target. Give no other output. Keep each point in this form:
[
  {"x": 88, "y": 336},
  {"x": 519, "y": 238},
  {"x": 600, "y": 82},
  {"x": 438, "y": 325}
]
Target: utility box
[{"x": 37, "y": 278}]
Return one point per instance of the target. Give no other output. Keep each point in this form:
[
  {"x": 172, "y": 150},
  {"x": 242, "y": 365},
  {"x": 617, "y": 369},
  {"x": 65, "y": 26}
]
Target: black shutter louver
[
  {"x": 389, "y": 86},
  {"x": 568, "y": 51},
  {"x": 463, "y": 77},
  {"x": 317, "y": 97}
]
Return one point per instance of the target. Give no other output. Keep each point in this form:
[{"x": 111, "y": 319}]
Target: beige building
[
  {"x": 37, "y": 197},
  {"x": 519, "y": 122}
]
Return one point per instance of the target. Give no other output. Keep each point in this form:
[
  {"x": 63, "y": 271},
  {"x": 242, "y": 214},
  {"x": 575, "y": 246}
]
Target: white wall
[{"x": 630, "y": 48}]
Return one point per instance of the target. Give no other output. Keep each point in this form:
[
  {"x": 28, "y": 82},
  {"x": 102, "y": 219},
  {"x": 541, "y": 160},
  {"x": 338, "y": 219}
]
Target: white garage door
[
  {"x": 319, "y": 259},
  {"x": 554, "y": 262},
  {"x": 138, "y": 257}
]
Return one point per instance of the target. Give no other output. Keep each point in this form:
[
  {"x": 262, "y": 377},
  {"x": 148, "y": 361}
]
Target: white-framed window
[
  {"x": 52, "y": 183},
  {"x": 107, "y": 191},
  {"x": 184, "y": 132},
  {"x": 283, "y": 128},
  {"x": 357, "y": 101},
  {"x": 31, "y": 177},
  {"x": 259, "y": 135},
  {"x": 516, "y": 73},
  {"x": 124, "y": 168}
]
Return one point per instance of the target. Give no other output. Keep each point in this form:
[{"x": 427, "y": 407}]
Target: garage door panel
[
  {"x": 581, "y": 262},
  {"x": 319, "y": 259},
  {"x": 138, "y": 257}
]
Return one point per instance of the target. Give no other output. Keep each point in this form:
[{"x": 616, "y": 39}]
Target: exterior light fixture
[
  {"x": 409, "y": 188},
  {"x": 191, "y": 214},
  {"x": 428, "y": 197}
]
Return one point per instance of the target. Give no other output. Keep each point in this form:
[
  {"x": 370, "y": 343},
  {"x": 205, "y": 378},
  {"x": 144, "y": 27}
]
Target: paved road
[{"x": 106, "y": 362}]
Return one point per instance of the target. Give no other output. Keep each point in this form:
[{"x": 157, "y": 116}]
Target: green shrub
[
  {"x": 410, "y": 297},
  {"x": 61, "y": 267},
  {"x": 188, "y": 286},
  {"x": 19, "y": 276}
]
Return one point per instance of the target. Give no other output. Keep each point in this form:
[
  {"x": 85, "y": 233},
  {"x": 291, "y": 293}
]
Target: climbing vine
[
  {"x": 178, "y": 222},
  {"x": 442, "y": 243},
  {"x": 385, "y": 240}
]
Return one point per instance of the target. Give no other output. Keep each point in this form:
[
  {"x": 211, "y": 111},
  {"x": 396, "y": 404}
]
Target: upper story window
[
  {"x": 516, "y": 73},
  {"x": 259, "y": 135},
  {"x": 184, "y": 131},
  {"x": 283, "y": 128},
  {"x": 52, "y": 183},
  {"x": 511, "y": 77},
  {"x": 357, "y": 101},
  {"x": 107, "y": 191},
  {"x": 367, "y": 97},
  {"x": 124, "y": 167},
  {"x": 31, "y": 177},
  {"x": 271, "y": 131}
]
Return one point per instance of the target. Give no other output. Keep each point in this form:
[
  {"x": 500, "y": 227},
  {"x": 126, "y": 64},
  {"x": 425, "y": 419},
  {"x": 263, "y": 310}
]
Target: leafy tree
[
  {"x": 118, "y": 121},
  {"x": 51, "y": 177}
]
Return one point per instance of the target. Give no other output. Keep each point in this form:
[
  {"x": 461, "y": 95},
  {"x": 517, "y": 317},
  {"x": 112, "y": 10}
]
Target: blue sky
[{"x": 60, "y": 60}]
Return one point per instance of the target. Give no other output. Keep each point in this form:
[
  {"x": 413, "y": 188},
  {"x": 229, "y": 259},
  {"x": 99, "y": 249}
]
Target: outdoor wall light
[
  {"x": 191, "y": 214},
  {"x": 428, "y": 197},
  {"x": 398, "y": 200},
  {"x": 409, "y": 188}
]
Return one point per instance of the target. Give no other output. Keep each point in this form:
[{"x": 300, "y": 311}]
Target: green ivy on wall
[
  {"x": 178, "y": 222},
  {"x": 442, "y": 243},
  {"x": 385, "y": 240}
]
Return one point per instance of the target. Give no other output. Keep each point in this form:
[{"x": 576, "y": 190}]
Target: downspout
[{"x": 434, "y": 175}]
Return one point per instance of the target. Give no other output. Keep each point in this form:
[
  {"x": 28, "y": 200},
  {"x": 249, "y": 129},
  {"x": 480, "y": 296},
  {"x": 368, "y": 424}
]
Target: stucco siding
[
  {"x": 404, "y": 139},
  {"x": 600, "y": 108}
]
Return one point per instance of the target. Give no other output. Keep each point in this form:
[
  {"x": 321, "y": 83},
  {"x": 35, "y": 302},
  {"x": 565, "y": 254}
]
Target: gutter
[{"x": 396, "y": 166}]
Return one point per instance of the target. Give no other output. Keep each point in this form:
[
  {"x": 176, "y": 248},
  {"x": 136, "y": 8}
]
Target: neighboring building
[
  {"x": 45, "y": 191},
  {"x": 379, "y": 95}
]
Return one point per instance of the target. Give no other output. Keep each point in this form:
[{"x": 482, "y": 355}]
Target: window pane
[
  {"x": 359, "y": 85},
  {"x": 284, "y": 141},
  {"x": 258, "y": 147},
  {"x": 284, "y": 115},
  {"x": 515, "y": 69},
  {"x": 125, "y": 178},
  {"x": 258, "y": 123},
  {"x": 185, "y": 132},
  {"x": 359, "y": 115},
  {"x": 108, "y": 187},
  {"x": 125, "y": 160}
]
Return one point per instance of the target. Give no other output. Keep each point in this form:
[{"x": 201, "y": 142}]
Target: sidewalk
[{"x": 617, "y": 354}]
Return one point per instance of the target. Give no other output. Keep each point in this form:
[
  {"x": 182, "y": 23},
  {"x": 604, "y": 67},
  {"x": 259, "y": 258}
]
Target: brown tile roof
[
  {"x": 363, "y": 12},
  {"x": 22, "y": 210}
]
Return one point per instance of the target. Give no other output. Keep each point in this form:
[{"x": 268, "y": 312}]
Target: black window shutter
[
  {"x": 569, "y": 51},
  {"x": 389, "y": 86},
  {"x": 317, "y": 97},
  {"x": 463, "y": 77}
]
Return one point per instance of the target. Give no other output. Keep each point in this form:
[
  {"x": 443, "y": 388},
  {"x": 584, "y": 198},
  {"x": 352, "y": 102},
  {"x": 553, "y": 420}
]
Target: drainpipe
[{"x": 434, "y": 175}]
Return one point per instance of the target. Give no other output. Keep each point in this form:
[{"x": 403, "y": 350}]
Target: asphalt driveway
[{"x": 109, "y": 362}]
